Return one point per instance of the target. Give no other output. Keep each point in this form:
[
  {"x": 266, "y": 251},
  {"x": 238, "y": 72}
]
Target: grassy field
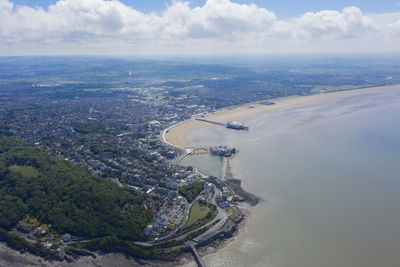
[
  {"x": 233, "y": 211},
  {"x": 197, "y": 212},
  {"x": 26, "y": 171}
]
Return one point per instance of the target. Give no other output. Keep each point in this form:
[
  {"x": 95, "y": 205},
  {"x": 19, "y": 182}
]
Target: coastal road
[
  {"x": 162, "y": 135},
  {"x": 222, "y": 216},
  {"x": 212, "y": 230},
  {"x": 172, "y": 234},
  {"x": 185, "y": 219}
]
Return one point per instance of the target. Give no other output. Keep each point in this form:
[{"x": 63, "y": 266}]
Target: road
[
  {"x": 185, "y": 219},
  {"x": 222, "y": 216}
]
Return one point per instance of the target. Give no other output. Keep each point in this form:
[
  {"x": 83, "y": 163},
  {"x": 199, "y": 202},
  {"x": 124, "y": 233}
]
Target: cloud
[
  {"x": 222, "y": 18},
  {"x": 346, "y": 24},
  {"x": 394, "y": 30},
  {"x": 395, "y": 25},
  {"x": 103, "y": 23}
]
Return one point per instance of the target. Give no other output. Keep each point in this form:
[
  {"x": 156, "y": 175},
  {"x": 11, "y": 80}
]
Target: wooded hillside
[{"x": 69, "y": 198}]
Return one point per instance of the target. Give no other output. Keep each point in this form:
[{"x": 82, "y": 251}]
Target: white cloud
[
  {"x": 394, "y": 30},
  {"x": 222, "y": 18},
  {"x": 395, "y": 25},
  {"x": 346, "y": 24},
  {"x": 101, "y": 23}
]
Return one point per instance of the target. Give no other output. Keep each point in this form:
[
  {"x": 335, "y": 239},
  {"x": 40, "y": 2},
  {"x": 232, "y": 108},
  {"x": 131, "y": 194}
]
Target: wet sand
[
  {"x": 175, "y": 135},
  {"x": 14, "y": 258},
  {"x": 267, "y": 246}
]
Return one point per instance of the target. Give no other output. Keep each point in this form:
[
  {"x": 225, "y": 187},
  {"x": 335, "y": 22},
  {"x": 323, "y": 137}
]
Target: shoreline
[
  {"x": 211, "y": 246},
  {"x": 175, "y": 136}
]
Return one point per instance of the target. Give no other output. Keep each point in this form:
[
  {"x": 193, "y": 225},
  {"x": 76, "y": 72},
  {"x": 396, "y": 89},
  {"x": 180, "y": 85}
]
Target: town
[
  {"x": 116, "y": 135},
  {"x": 109, "y": 120}
]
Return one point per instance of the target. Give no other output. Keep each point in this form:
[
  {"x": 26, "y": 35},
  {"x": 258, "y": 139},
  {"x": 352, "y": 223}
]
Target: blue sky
[
  {"x": 282, "y": 8},
  {"x": 139, "y": 27}
]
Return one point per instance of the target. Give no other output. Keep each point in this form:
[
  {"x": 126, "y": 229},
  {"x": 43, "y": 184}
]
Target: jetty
[
  {"x": 212, "y": 122},
  {"x": 230, "y": 124},
  {"x": 196, "y": 256}
]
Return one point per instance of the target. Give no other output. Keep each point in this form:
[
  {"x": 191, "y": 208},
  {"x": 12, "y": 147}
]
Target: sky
[
  {"x": 282, "y": 8},
  {"x": 197, "y": 27}
]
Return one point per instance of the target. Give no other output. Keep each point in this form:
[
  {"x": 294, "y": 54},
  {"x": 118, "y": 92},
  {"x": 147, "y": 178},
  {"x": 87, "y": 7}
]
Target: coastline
[
  {"x": 175, "y": 135},
  {"x": 213, "y": 246}
]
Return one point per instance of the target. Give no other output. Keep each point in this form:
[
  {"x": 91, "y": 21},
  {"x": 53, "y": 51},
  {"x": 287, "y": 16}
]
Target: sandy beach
[
  {"x": 175, "y": 135},
  {"x": 319, "y": 128}
]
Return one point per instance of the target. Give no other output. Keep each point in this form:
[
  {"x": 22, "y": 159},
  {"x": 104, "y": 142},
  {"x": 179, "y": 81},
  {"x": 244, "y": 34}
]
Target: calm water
[
  {"x": 206, "y": 164},
  {"x": 330, "y": 178}
]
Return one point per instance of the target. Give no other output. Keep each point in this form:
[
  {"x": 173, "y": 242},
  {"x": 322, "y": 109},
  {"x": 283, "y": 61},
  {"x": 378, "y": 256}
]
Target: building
[
  {"x": 66, "y": 237},
  {"x": 172, "y": 186},
  {"x": 149, "y": 228},
  {"x": 236, "y": 126},
  {"x": 223, "y": 151},
  {"x": 154, "y": 124},
  {"x": 25, "y": 227}
]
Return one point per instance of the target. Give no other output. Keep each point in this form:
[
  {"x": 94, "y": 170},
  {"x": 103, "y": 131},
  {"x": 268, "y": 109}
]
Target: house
[
  {"x": 149, "y": 228},
  {"x": 66, "y": 237},
  {"x": 164, "y": 221},
  {"x": 209, "y": 187},
  {"x": 155, "y": 154},
  {"x": 172, "y": 186},
  {"x": 224, "y": 204},
  {"x": 47, "y": 245},
  {"x": 39, "y": 231},
  {"x": 170, "y": 154},
  {"x": 154, "y": 124},
  {"x": 24, "y": 227},
  {"x": 103, "y": 168}
]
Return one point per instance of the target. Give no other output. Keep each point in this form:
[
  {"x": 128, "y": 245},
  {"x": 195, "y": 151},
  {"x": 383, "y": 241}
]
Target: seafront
[
  {"x": 175, "y": 135},
  {"x": 315, "y": 164}
]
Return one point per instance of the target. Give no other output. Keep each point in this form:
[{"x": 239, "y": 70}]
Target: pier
[
  {"x": 213, "y": 122},
  {"x": 197, "y": 257},
  {"x": 231, "y": 124}
]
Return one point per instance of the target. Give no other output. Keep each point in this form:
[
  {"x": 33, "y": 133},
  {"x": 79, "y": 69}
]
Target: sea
[
  {"x": 329, "y": 178},
  {"x": 207, "y": 164}
]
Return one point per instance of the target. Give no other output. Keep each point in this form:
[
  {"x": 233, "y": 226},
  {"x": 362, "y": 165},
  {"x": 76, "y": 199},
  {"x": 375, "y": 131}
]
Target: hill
[{"x": 69, "y": 198}]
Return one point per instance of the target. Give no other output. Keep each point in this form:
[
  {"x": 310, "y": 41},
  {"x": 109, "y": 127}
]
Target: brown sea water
[
  {"x": 208, "y": 164},
  {"x": 329, "y": 174}
]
